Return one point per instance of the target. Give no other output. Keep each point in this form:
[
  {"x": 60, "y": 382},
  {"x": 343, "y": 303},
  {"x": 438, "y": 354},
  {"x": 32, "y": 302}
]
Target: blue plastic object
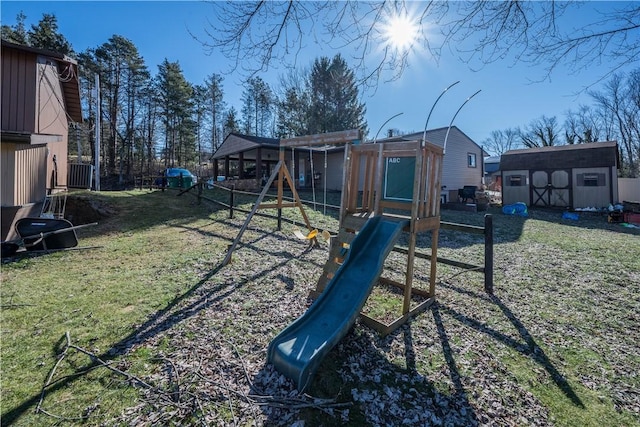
[
  {"x": 518, "y": 208},
  {"x": 570, "y": 215},
  {"x": 300, "y": 348}
]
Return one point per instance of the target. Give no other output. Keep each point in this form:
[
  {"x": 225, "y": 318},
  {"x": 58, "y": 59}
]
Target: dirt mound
[{"x": 80, "y": 210}]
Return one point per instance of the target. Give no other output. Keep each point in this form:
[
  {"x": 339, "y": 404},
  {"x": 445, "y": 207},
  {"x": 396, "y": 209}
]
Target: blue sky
[{"x": 510, "y": 96}]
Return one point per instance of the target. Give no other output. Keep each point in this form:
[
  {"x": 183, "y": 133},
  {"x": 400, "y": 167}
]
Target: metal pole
[
  {"x": 388, "y": 120},
  {"x": 444, "y": 148},
  {"x": 76, "y": 126},
  {"x": 97, "y": 124},
  {"x": 424, "y": 135}
]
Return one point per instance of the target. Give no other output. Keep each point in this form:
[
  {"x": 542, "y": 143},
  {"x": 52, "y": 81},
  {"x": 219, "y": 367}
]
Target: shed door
[
  {"x": 550, "y": 188},
  {"x": 560, "y": 188}
]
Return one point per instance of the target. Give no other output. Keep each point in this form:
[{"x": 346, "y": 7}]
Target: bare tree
[
  {"x": 583, "y": 126},
  {"x": 542, "y": 132},
  {"x": 501, "y": 141},
  {"x": 620, "y": 102},
  {"x": 261, "y": 34}
]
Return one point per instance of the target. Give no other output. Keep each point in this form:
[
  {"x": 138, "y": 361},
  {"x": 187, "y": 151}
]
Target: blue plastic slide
[{"x": 299, "y": 349}]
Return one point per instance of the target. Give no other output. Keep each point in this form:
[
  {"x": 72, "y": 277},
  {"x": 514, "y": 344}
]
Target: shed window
[
  {"x": 471, "y": 160},
  {"x": 591, "y": 180},
  {"x": 515, "y": 181}
]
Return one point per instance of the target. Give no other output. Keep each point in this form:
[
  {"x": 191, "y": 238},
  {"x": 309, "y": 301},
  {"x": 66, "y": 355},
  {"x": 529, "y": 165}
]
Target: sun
[{"x": 400, "y": 32}]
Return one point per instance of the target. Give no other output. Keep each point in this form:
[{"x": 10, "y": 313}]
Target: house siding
[
  {"x": 455, "y": 172},
  {"x": 8, "y": 168},
  {"x": 26, "y": 163},
  {"x": 40, "y": 94},
  {"x": 51, "y": 117},
  {"x": 18, "y": 91}
]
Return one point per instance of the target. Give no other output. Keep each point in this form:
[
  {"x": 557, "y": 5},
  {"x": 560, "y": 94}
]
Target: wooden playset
[{"x": 397, "y": 180}]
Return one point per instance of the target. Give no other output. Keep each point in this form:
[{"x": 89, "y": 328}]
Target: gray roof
[
  {"x": 592, "y": 154},
  {"x": 236, "y": 143}
]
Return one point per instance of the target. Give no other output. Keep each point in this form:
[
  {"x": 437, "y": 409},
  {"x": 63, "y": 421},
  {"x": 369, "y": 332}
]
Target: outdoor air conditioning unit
[{"x": 80, "y": 175}]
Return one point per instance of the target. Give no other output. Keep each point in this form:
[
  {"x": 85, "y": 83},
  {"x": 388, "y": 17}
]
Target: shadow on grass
[
  {"x": 162, "y": 320},
  {"x": 353, "y": 375},
  {"x": 451, "y": 362},
  {"x": 527, "y": 346}
]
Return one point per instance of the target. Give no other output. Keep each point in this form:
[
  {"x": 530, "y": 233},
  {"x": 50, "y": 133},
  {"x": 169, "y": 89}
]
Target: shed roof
[
  {"x": 70, "y": 84},
  {"x": 236, "y": 143},
  {"x": 593, "y": 154}
]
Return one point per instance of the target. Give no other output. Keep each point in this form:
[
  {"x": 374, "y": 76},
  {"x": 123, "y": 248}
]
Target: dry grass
[{"x": 556, "y": 345}]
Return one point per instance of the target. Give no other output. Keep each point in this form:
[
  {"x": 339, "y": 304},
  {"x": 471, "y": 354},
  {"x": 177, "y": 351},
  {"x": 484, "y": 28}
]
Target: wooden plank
[
  {"x": 276, "y": 172},
  {"x": 434, "y": 262},
  {"x": 278, "y": 205},
  {"x": 395, "y": 205},
  {"x": 473, "y": 229},
  {"x": 372, "y": 179},
  {"x": 453, "y": 263},
  {"x": 329, "y": 138},
  {"x": 292, "y": 186},
  {"x": 330, "y": 268},
  {"x": 345, "y": 176},
  {"x": 434, "y": 190},
  {"x": 352, "y": 181},
  {"x": 345, "y": 236},
  {"x": 425, "y": 224},
  {"x": 354, "y": 222},
  {"x": 405, "y": 152},
  {"x": 387, "y": 328},
  {"x": 399, "y": 285},
  {"x": 378, "y": 183},
  {"x": 374, "y": 324}
]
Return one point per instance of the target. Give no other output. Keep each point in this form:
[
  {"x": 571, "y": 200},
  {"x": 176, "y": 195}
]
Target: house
[
  {"x": 40, "y": 96},
  {"x": 574, "y": 176},
  {"x": 492, "y": 177},
  {"x": 236, "y": 160},
  {"x": 245, "y": 159}
]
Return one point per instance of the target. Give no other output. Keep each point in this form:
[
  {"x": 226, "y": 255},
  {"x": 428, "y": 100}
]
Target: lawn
[{"x": 146, "y": 327}]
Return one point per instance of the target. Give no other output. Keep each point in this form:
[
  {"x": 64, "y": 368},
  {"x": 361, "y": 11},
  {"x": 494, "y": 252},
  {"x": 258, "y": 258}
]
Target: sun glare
[{"x": 400, "y": 32}]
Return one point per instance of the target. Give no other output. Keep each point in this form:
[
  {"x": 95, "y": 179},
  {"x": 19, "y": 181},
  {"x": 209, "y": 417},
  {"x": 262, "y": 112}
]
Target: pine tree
[
  {"x": 18, "y": 33},
  {"x": 123, "y": 76},
  {"x": 215, "y": 108},
  {"x": 45, "y": 35},
  {"x": 176, "y": 104},
  {"x": 231, "y": 124},
  {"x": 334, "y": 102},
  {"x": 257, "y": 105},
  {"x": 293, "y": 113}
]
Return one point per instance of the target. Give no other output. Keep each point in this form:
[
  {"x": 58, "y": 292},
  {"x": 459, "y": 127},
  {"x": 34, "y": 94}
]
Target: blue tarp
[{"x": 518, "y": 208}]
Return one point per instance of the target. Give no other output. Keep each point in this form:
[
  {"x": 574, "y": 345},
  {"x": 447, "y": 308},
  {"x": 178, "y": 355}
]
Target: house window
[
  {"x": 471, "y": 160},
  {"x": 515, "y": 181}
]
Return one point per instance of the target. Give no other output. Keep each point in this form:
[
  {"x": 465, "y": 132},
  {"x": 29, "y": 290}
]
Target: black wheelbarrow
[{"x": 37, "y": 234}]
